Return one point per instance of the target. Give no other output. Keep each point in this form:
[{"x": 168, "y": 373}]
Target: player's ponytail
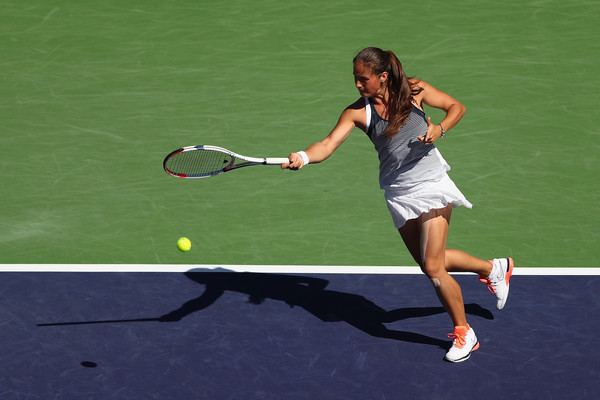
[{"x": 400, "y": 91}]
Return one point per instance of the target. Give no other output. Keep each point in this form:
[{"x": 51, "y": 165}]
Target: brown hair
[{"x": 400, "y": 90}]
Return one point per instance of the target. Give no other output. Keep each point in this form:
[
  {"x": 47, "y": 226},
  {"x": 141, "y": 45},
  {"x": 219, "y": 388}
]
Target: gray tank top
[{"x": 404, "y": 160}]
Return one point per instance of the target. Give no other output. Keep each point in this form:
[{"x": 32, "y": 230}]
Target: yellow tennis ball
[{"x": 184, "y": 244}]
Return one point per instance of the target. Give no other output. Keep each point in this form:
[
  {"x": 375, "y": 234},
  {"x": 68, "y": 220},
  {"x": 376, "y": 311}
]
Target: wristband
[
  {"x": 305, "y": 159},
  {"x": 443, "y": 131}
]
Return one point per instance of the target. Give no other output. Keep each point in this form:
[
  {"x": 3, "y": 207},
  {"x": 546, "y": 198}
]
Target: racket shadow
[{"x": 310, "y": 294}]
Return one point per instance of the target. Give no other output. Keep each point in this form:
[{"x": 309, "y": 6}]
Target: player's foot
[
  {"x": 497, "y": 282},
  {"x": 465, "y": 342}
]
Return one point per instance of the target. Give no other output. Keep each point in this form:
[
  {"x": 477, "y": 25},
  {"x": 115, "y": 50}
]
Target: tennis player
[{"x": 419, "y": 193}]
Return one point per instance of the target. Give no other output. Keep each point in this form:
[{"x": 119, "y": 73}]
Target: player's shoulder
[
  {"x": 355, "y": 111},
  {"x": 358, "y": 107},
  {"x": 419, "y": 84},
  {"x": 421, "y": 87}
]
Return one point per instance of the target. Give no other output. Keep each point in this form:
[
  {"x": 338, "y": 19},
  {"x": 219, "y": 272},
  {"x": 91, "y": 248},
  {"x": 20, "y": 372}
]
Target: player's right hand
[{"x": 295, "y": 162}]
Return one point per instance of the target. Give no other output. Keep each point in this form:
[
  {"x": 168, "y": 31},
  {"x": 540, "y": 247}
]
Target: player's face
[{"x": 367, "y": 83}]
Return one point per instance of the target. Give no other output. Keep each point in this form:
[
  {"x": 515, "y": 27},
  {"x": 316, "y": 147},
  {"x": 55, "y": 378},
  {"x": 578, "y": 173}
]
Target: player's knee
[{"x": 434, "y": 272}]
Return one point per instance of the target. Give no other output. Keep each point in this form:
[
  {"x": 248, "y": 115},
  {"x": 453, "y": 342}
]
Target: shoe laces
[
  {"x": 488, "y": 282},
  {"x": 459, "y": 336}
]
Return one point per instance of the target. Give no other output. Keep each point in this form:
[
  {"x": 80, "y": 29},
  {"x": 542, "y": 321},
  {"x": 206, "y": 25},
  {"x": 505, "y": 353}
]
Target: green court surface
[{"x": 95, "y": 94}]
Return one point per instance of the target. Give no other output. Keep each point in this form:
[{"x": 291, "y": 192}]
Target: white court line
[{"x": 278, "y": 269}]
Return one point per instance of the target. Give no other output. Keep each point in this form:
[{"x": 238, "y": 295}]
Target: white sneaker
[
  {"x": 498, "y": 280},
  {"x": 465, "y": 342}
]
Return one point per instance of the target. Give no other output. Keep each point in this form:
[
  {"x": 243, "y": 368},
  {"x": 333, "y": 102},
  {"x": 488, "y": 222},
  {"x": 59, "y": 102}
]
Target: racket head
[{"x": 198, "y": 161}]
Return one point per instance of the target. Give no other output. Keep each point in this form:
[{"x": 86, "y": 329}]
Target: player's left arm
[{"x": 435, "y": 98}]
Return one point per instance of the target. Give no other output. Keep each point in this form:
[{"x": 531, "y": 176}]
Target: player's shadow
[{"x": 310, "y": 294}]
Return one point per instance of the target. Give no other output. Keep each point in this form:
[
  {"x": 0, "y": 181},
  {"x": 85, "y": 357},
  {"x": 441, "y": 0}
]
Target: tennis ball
[{"x": 184, "y": 244}]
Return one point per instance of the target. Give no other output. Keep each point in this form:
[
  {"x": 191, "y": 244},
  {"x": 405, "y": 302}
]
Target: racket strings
[{"x": 198, "y": 162}]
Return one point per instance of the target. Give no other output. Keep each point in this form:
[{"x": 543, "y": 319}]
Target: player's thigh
[
  {"x": 411, "y": 236},
  {"x": 433, "y": 237}
]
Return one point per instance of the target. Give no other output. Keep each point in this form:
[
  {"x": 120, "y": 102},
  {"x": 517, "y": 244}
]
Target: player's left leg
[
  {"x": 460, "y": 261},
  {"x": 494, "y": 273}
]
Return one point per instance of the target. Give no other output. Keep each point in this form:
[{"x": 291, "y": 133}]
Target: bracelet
[
  {"x": 443, "y": 131},
  {"x": 305, "y": 159}
]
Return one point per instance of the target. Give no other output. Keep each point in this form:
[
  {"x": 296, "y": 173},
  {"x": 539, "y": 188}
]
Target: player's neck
[
  {"x": 381, "y": 98},
  {"x": 381, "y": 104}
]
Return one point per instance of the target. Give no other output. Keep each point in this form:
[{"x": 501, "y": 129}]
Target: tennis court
[
  {"x": 94, "y": 95},
  {"x": 229, "y": 333}
]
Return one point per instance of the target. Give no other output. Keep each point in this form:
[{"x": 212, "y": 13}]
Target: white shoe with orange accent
[
  {"x": 498, "y": 281},
  {"x": 465, "y": 342}
]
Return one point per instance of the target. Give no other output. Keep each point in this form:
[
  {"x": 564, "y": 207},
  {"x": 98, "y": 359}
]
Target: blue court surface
[{"x": 222, "y": 333}]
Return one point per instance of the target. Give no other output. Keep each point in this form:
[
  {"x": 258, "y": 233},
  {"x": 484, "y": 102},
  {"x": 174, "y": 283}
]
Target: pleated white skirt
[{"x": 407, "y": 204}]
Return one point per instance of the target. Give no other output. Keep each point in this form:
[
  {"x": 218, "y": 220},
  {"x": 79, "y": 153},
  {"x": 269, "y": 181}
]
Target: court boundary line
[{"x": 274, "y": 269}]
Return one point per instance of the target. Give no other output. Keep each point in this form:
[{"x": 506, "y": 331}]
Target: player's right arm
[{"x": 351, "y": 117}]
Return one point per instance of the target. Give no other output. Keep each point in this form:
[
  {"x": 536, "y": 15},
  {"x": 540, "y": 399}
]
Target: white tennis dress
[{"x": 413, "y": 175}]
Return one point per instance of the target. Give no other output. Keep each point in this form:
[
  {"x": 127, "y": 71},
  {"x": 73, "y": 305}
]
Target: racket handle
[{"x": 275, "y": 161}]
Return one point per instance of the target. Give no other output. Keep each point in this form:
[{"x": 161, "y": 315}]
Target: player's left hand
[{"x": 434, "y": 132}]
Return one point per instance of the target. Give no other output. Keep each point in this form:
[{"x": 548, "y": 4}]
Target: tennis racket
[{"x": 206, "y": 161}]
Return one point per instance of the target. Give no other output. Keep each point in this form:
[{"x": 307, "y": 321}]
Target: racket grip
[{"x": 275, "y": 161}]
